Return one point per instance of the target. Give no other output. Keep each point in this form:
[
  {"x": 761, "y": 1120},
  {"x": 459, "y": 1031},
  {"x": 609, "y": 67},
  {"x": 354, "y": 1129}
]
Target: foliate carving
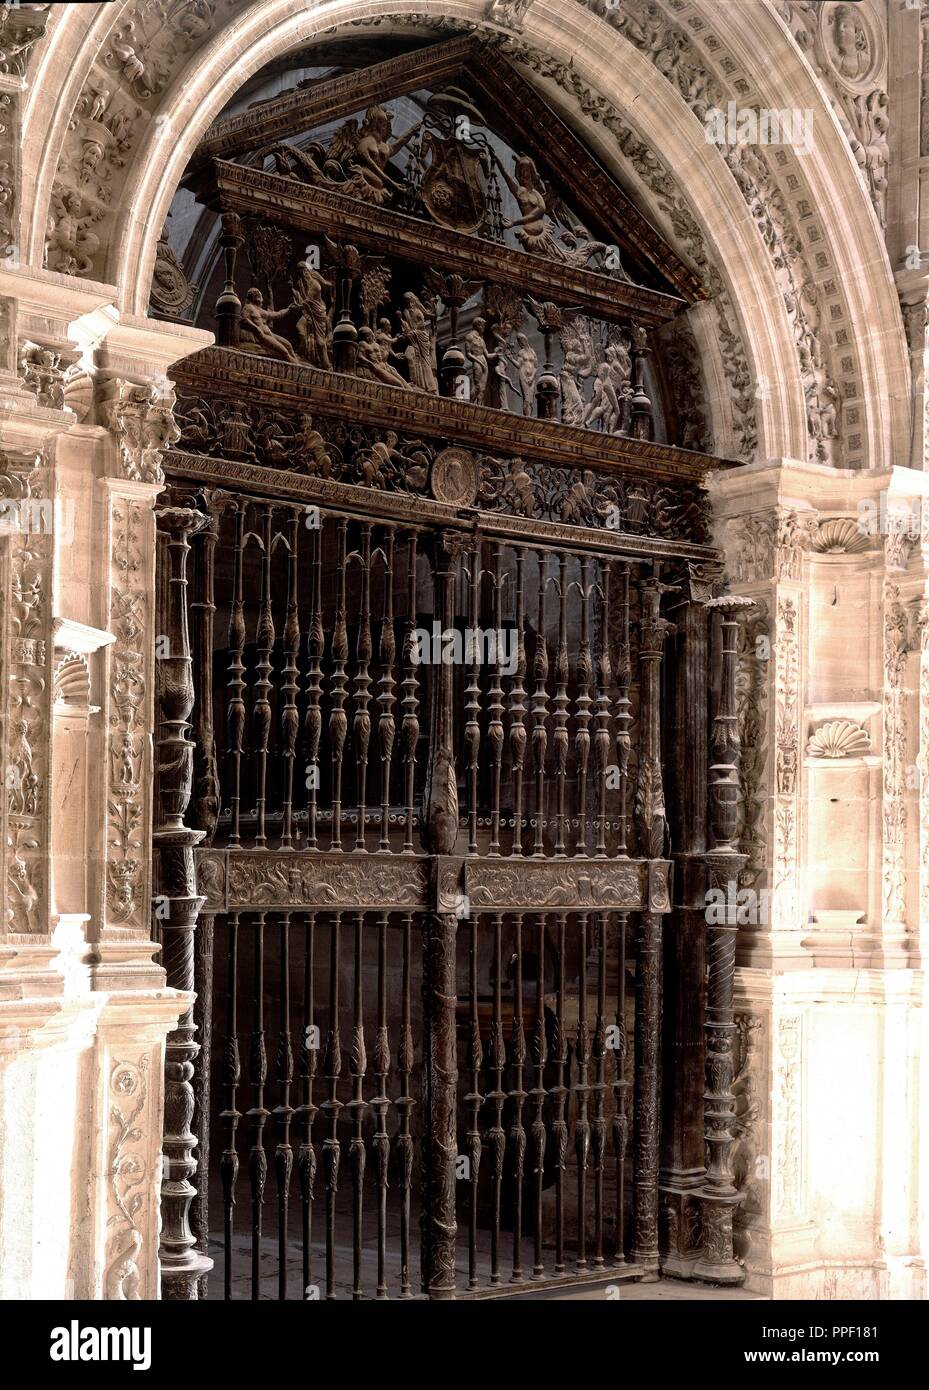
[
  {"x": 847, "y": 49},
  {"x": 674, "y": 53},
  {"x": 787, "y": 697},
  {"x": 281, "y": 880},
  {"x": 767, "y": 545},
  {"x": 26, "y": 679},
  {"x": 9, "y": 125},
  {"x": 509, "y": 13},
  {"x": 42, "y": 373},
  {"x": 537, "y": 886},
  {"x": 21, "y": 27},
  {"x": 128, "y": 1177},
  {"x": 897, "y": 646},
  {"x": 787, "y": 1123},
  {"x": 146, "y": 49},
  {"x": 142, "y": 419},
  {"x": 128, "y": 693},
  {"x": 839, "y": 738}
]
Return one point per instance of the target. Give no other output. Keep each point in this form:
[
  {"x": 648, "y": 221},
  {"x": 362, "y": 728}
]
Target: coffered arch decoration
[{"x": 801, "y": 358}]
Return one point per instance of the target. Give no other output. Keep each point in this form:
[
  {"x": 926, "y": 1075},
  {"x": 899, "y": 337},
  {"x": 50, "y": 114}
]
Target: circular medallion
[
  {"x": 455, "y": 477},
  {"x": 849, "y": 45}
]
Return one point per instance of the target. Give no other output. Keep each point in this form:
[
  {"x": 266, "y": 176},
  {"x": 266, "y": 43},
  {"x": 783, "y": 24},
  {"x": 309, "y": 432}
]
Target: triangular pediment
[{"x": 453, "y": 135}]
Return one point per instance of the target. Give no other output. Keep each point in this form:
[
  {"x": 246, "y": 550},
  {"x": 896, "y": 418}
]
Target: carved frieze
[
  {"x": 323, "y": 447},
  {"x": 766, "y": 545},
  {"x": 787, "y": 697},
  {"x": 530, "y": 884},
  {"x": 280, "y": 880}
]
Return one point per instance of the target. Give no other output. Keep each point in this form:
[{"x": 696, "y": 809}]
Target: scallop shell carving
[
  {"x": 839, "y": 738},
  {"x": 72, "y": 681},
  {"x": 839, "y": 535}
]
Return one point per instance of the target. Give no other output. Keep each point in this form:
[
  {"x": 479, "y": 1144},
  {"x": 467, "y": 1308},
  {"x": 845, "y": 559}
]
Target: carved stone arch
[{"x": 618, "y": 75}]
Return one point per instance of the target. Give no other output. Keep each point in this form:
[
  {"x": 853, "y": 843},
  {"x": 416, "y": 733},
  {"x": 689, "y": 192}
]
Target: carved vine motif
[
  {"x": 593, "y": 885},
  {"x": 128, "y": 1175},
  {"x": 9, "y": 124},
  {"x": 788, "y": 1166},
  {"x": 369, "y": 457}
]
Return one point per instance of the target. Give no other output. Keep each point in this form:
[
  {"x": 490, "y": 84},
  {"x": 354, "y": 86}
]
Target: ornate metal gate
[{"x": 430, "y": 672}]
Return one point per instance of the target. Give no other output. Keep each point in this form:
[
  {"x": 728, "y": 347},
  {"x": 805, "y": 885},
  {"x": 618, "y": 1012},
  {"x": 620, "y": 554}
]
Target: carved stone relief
[
  {"x": 27, "y": 681},
  {"x": 675, "y": 53},
  {"x": 897, "y": 646},
  {"x": 141, "y": 417},
  {"x": 767, "y": 545},
  {"x": 129, "y": 758},
  {"x": 128, "y": 1178},
  {"x": 847, "y": 49},
  {"x": 21, "y": 27}
]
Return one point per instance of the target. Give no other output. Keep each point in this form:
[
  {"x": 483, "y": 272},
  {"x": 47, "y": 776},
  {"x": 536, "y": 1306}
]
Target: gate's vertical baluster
[
  {"x": 380, "y": 1143},
  {"x": 623, "y": 710},
  {"x": 517, "y": 704},
  {"x": 537, "y": 1095},
  {"x": 495, "y": 705},
  {"x": 386, "y": 724},
  {"x": 620, "y": 1086},
  {"x": 338, "y": 720},
  {"x": 560, "y": 735},
  {"x": 264, "y": 639},
  {"x": 235, "y": 713},
  {"x": 518, "y": 1099},
  {"x": 309, "y": 1054},
  {"x": 361, "y": 723},
  {"x": 496, "y": 1137},
  {"x": 583, "y": 705},
  {"x": 581, "y": 1091},
  {"x": 332, "y": 1105},
  {"x": 560, "y": 1093},
  {"x": 290, "y": 718},
  {"x": 473, "y": 1100},
  {"x": 257, "y": 1115},
  {"x": 230, "y": 1116},
  {"x": 540, "y": 709},
  {"x": 603, "y": 736},
  {"x": 358, "y": 1062},
  {"x": 283, "y": 1111},
  {"x": 315, "y": 643},
  {"x": 598, "y": 1124},
  {"x": 472, "y": 729},
  {"x": 404, "y": 1105},
  {"x": 410, "y": 701}
]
